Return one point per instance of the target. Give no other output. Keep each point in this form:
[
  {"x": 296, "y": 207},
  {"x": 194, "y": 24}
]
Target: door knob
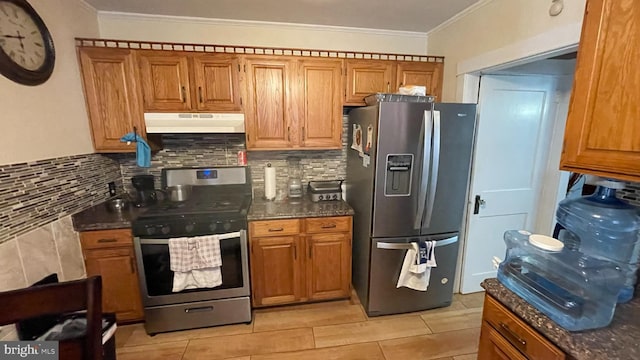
[{"x": 479, "y": 202}]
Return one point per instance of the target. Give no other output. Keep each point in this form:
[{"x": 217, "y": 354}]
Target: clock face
[
  {"x": 20, "y": 37},
  {"x": 27, "y": 54}
]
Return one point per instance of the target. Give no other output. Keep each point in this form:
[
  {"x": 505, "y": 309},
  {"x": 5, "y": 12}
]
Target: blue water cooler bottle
[{"x": 603, "y": 226}]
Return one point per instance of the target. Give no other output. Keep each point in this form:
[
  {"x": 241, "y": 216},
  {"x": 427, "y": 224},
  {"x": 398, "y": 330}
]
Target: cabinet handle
[
  {"x": 289, "y": 132},
  {"x": 295, "y": 252},
  {"x": 515, "y": 339},
  {"x": 276, "y": 229},
  {"x": 183, "y": 93},
  {"x": 303, "y": 133},
  {"x": 388, "y": 86},
  {"x": 111, "y": 240},
  {"x": 200, "y": 94},
  {"x": 328, "y": 226},
  {"x": 310, "y": 251},
  {"x": 133, "y": 270}
]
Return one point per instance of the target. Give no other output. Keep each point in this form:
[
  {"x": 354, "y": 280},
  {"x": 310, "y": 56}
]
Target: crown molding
[
  {"x": 115, "y": 15},
  {"x": 473, "y": 8},
  {"x": 88, "y": 6}
]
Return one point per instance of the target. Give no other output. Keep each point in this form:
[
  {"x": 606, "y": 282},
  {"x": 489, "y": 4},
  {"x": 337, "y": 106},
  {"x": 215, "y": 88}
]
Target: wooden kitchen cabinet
[
  {"x": 275, "y": 270},
  {"x": 320, "y": 100},
  {"x": 110, "y": 254},
  {"x": 177, "y": 81},
  {"x": 428, "y": 74},
  {"x": 365, "y": 77},
  {"x": 112, "y": 96},
  {"x": 300, "y": 260},
  {"x": 505, "y": 336},
  {"x": 293, "y": 103},
  {"x": 602, "y": 131},
  {"x": 270, "y": 109}
]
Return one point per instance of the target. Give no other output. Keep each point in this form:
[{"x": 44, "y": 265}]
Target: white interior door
[{"x": 511, "y": 151}]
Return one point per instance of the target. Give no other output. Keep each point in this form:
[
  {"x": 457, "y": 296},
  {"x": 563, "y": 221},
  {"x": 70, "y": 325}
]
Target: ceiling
[{"x": 403, "y": 15}]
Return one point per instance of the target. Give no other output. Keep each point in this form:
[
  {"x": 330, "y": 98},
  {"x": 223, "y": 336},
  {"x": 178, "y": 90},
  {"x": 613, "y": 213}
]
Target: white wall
[
  {"x": 498, "y": 31},
  {"x": 252, "y": 33},
  {"x": 50, "y": 120}
]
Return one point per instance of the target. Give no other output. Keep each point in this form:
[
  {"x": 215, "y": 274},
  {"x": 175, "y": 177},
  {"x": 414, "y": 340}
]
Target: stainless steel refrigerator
[{"x": 408, "y": 167}]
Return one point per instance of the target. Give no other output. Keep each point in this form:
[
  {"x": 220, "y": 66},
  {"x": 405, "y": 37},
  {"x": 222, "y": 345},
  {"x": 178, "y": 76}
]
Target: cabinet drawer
[
  {"x": 105, "y": 238},
  {"x": 328, "y": 224},
  {"x": 518, "y": 333},
  {"x": 274, "y": 227}
]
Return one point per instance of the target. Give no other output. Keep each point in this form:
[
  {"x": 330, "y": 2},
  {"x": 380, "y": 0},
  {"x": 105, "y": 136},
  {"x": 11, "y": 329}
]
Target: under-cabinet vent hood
[{"x": 167, "y": 123}]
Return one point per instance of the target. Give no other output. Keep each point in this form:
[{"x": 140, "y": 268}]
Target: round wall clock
[{"x": 27, "y": 54}]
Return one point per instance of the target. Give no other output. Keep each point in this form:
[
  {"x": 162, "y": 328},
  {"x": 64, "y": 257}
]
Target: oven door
[{"x": 156, "y": 277}]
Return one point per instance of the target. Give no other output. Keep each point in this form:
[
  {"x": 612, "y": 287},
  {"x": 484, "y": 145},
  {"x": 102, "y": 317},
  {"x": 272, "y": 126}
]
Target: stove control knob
[
  {"x": 227, "y": 226},
  {"x": 150, "y": 230},
  {"x": 165, "y": 230},
  {"x": 189, "y": 227},
  {"x": 334, "y": 197},
  {"x": 321, "y": 197},
  {"x": 213, "y": 226}
]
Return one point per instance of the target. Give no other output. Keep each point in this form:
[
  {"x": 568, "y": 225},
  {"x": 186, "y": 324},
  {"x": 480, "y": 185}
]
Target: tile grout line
[{"x": 381, "y": 351}]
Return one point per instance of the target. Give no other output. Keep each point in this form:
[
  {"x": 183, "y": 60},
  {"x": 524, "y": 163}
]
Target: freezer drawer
[{"x": 387, "y": 255}]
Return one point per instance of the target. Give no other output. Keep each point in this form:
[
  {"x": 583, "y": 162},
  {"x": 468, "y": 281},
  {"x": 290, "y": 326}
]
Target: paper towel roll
[{"x": 269, "y": 182}]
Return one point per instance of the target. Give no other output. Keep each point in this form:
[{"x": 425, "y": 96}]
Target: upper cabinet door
[
  {"x": 365, "y": 77},
  {"x": 216, "y": 82},
  {"x": 165, "y": 81},
  {"x": 602, "y": 135},
  {"x": 320, "y": 103},
  {"x": 269, "y": 109},
  {"x": 112, "y": 97},
  {"x": 426, "y": 74}
]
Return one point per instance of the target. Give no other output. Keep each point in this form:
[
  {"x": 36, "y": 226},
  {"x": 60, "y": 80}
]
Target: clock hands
[{"x": 19, "y": 37}]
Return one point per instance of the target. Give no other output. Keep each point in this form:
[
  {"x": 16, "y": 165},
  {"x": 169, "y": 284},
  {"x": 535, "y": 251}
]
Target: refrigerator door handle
[
  {"x": 425, "y": 135},
  {"x": 435, "y": 167},
  {"x": 407, "y": 246}
]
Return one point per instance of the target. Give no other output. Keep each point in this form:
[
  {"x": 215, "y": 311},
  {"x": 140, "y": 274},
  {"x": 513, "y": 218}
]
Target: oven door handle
[{"x": 232, "y": 235}]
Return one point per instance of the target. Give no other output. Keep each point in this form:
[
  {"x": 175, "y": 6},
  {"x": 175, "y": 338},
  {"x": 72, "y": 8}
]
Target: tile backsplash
[
  {"x": 193, "y": 150},
  {"x": 37, "y": 193}
]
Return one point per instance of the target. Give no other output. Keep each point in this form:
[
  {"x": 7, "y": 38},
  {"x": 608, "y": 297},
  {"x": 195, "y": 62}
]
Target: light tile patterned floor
[{"x": 336, "y": 330}]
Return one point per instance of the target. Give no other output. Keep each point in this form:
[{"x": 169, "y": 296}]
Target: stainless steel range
[{"x": 218, "y": 204}]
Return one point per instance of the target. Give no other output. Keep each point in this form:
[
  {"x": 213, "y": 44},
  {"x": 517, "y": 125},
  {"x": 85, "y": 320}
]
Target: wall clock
[{"x": 27, "y": 54}]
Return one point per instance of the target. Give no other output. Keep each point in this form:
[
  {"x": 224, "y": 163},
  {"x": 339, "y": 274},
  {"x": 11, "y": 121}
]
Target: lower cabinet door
[
  {"x": 328, "y": 266},
  {"x": 120, "y": 289},
  {"x": 493, "y": 346},
  {"x": 275, "y": 270}
]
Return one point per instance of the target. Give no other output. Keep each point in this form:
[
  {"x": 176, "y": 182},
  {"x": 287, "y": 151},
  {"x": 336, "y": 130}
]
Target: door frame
[{"x": 554, "y": 42}]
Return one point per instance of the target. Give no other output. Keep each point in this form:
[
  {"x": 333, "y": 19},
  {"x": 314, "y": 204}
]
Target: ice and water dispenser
[{"x": 398, "y": 178}]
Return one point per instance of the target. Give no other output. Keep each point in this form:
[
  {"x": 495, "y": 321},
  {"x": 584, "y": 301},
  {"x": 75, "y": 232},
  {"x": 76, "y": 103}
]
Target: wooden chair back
[{"x": 59, "y": 298}]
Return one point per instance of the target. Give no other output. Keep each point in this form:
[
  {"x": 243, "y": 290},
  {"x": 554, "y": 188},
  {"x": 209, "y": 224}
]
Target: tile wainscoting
[{"x": 37, "y": 193}]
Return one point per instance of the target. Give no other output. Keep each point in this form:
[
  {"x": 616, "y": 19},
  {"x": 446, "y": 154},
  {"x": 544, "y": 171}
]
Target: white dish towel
[
  {"x": 196, "y": 262},
  {"x": 416, "y": 268}
]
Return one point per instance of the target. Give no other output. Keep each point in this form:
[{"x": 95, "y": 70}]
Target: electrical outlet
[{"x": 112, "y": 188}]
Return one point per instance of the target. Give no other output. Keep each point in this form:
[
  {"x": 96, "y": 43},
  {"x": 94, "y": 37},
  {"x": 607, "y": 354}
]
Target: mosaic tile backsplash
[
  {"x": 36, "y": 193},
  {"x": 187, "y": 150}
]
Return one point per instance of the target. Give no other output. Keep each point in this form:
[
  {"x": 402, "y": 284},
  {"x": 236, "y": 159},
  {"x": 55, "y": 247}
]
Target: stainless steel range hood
[{"x": 167, "y": 123}]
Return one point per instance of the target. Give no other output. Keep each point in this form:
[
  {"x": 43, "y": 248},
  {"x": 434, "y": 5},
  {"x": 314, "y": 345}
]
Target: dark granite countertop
[
  {"x": 268, "y": 210},
  {"x": 99, "y": 217},
  {"x": 618, "y": 341}
]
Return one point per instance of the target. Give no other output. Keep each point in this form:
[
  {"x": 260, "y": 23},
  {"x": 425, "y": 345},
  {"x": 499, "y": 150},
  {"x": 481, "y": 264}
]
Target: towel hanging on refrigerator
[{"x": 416, "y": 268}]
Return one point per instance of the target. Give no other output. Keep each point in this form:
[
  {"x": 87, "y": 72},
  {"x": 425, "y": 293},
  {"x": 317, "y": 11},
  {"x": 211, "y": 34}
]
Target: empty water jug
[
  {"x": 601, "y": 225},
  {"x": 576, "y": 291}
]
